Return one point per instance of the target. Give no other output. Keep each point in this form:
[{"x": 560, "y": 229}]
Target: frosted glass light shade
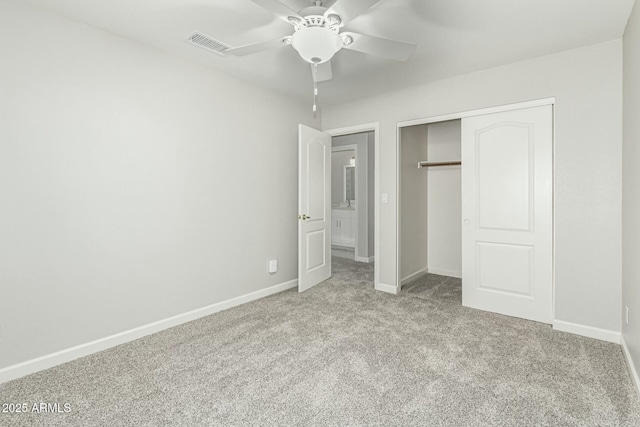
[{"x": 316, "y": 44}]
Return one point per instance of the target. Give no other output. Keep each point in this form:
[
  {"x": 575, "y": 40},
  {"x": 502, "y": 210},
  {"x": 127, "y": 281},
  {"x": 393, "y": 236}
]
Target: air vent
[{"x": 206, "y": 42}]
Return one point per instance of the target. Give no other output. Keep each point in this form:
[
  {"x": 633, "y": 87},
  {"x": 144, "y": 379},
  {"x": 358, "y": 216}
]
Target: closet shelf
[{"x": 426, "y": 164}]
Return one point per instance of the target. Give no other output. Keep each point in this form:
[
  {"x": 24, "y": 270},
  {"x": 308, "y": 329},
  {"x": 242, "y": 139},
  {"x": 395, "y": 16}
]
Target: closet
[
  {"x": 430, "y": 221},
  {"x": 476, "y": 203}
]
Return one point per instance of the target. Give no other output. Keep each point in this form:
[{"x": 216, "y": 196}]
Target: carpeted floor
[
  {"x": 343, "y": 252},
  {"x": 435, "y": 286},
  {"x": 342, "y": 354}
]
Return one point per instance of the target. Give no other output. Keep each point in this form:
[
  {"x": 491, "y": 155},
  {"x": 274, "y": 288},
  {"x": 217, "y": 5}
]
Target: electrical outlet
[
  {"x": 626, "y": 314},
  {"x": 273, "y": 266}
]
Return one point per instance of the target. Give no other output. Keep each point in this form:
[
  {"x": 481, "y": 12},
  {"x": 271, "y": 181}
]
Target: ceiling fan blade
[
  {"x": 279, "y": 9},
  {"x": 349, "y": 9},
  {"x": 322, "y": 73},
  {"x": 391, "y": 49},
  {"x": 256, "y": 47}
]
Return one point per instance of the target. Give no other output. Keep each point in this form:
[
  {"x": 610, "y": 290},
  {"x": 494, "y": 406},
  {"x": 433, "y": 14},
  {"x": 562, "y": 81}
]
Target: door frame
[
  {"x": 461, "y": 115},
  {"x": 375, "y": 128}
]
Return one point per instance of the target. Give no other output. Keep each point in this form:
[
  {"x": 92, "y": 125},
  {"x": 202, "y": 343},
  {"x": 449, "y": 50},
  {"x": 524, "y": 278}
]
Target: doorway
[
  {"x": 367, "y": 250},
  {"x": 430, "y": 211},
  {"x": 352, "y": 200},
  {"x": 314, "y": 194}
]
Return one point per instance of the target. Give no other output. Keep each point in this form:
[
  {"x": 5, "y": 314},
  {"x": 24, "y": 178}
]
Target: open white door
[
  {"x": 507, "y": 213},
  {"x": 314, "y": 207}
]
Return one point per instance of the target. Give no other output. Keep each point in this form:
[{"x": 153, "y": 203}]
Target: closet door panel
[
  {"x": 507, "y": 213},
  {"x": 504, "y": 151}
]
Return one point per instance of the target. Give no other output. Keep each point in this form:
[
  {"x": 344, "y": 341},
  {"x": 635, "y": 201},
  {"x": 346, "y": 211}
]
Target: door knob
[{"x": 303, "y": 217}]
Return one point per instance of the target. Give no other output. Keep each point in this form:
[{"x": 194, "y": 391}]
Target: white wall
[
  {"x": 131, "y": 183},
  {"x": 444, "y": 200},
  {"x": 364, "y": 174},
  {"x": 587, "y": 84},
  {"x": 631, "y": 187},
  {"x": 413, "y": 202}
]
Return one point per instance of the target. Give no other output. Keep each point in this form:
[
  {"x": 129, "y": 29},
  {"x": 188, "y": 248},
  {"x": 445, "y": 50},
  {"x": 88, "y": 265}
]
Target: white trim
[
  {"x": 364, "y": 259},
  {"x": 50, "y": 360},
  {"x": 553, "y": 223},
  {"x": 587, "y": 331},
  {"x": 398, "y": 212},
  {"x": 479, "y": 112},
  {"x": 444, "y": 272},
  {"x": 349, "y": 130},
  {"x": 390, "y": 289},
  {"x": 346, "y": 245},
  {"x": 369, "y": 127},
  {"x": 413, "y": 276},
  {"x": 632, "y": 367},
  {"x": 348, "y": 147}
]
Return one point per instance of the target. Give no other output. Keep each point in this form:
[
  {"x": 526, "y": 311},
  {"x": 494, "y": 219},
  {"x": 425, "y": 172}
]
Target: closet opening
[{"x": 430, "y": 210}]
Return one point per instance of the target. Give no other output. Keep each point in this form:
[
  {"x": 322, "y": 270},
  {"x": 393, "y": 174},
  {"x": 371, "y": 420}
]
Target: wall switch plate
[
  {"x": 273, "y": 266},
  {"x": 626, "y": 314},
  {"x": 385, "y": 198}
]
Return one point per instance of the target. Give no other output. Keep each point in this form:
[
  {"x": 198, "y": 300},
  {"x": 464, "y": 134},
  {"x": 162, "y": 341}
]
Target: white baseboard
[
  {"x": 346, "y": 245},
  {"x": 443, "y": 272},
  {"x": 632, "y": 366},
  {"x": 390, "y": 289},
  {"x": 587, "y": 331},
  {"x": 364, "y": 259},
  {"x": 413, "y": 276},
  {"x": 45, "y": 362}
]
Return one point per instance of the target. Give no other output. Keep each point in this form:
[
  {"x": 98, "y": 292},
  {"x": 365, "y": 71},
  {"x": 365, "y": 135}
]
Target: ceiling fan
[{"x": 318, "y": 37}]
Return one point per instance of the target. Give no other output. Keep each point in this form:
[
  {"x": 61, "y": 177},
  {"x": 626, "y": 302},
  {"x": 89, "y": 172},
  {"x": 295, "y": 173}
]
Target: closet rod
[{"x": 426, "y": 164}]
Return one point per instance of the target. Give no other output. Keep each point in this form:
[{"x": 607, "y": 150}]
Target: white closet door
[{"x": 507, "y": 194}]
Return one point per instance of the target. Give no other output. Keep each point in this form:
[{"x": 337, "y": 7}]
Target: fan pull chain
[{"x": 315, "y": 86}]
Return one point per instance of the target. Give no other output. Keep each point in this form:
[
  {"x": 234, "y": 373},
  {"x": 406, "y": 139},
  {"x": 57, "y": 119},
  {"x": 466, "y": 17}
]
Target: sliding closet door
[{"x": 507, "y": 213}]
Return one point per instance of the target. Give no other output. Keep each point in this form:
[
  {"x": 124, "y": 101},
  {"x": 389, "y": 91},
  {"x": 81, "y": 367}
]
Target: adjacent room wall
[
  {"x": 631, "y": 188},
  {"x": 444, "y": 200},
  {"x": 135, "y": 185},
  {"x": 413, "y": 209},
  {"x": 587, "y": 84}
]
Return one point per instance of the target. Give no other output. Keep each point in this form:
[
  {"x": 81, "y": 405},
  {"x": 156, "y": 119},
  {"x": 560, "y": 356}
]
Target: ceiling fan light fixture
[
  {"x": 295, "y": 21},
  {"x": 316, "y": 45},
  {"x": 334, "y": 20}
]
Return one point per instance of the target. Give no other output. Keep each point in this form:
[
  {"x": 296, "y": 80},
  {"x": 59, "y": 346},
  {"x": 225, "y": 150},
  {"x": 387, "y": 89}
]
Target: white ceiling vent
[{"x": 206, "y": 42}]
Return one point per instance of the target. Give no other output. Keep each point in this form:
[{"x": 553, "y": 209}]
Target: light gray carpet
[
  {"x": 343, "y": 252},
  {"x": 435, "y": 286},
  {"x": 342, "y": 354}
]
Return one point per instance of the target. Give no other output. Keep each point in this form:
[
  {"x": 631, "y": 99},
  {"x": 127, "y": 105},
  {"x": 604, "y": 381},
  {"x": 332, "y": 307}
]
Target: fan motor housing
[{"x": 313, "y": 11}]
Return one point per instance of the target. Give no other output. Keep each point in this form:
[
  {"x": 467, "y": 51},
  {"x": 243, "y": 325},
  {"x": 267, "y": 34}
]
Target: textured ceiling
[{"x": 453, "y": 37}]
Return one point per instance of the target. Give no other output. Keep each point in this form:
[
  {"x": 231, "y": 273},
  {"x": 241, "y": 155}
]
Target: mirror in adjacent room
[
  {"x": 343, "y": 177},
  {"x": 349, "y": 185}
]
